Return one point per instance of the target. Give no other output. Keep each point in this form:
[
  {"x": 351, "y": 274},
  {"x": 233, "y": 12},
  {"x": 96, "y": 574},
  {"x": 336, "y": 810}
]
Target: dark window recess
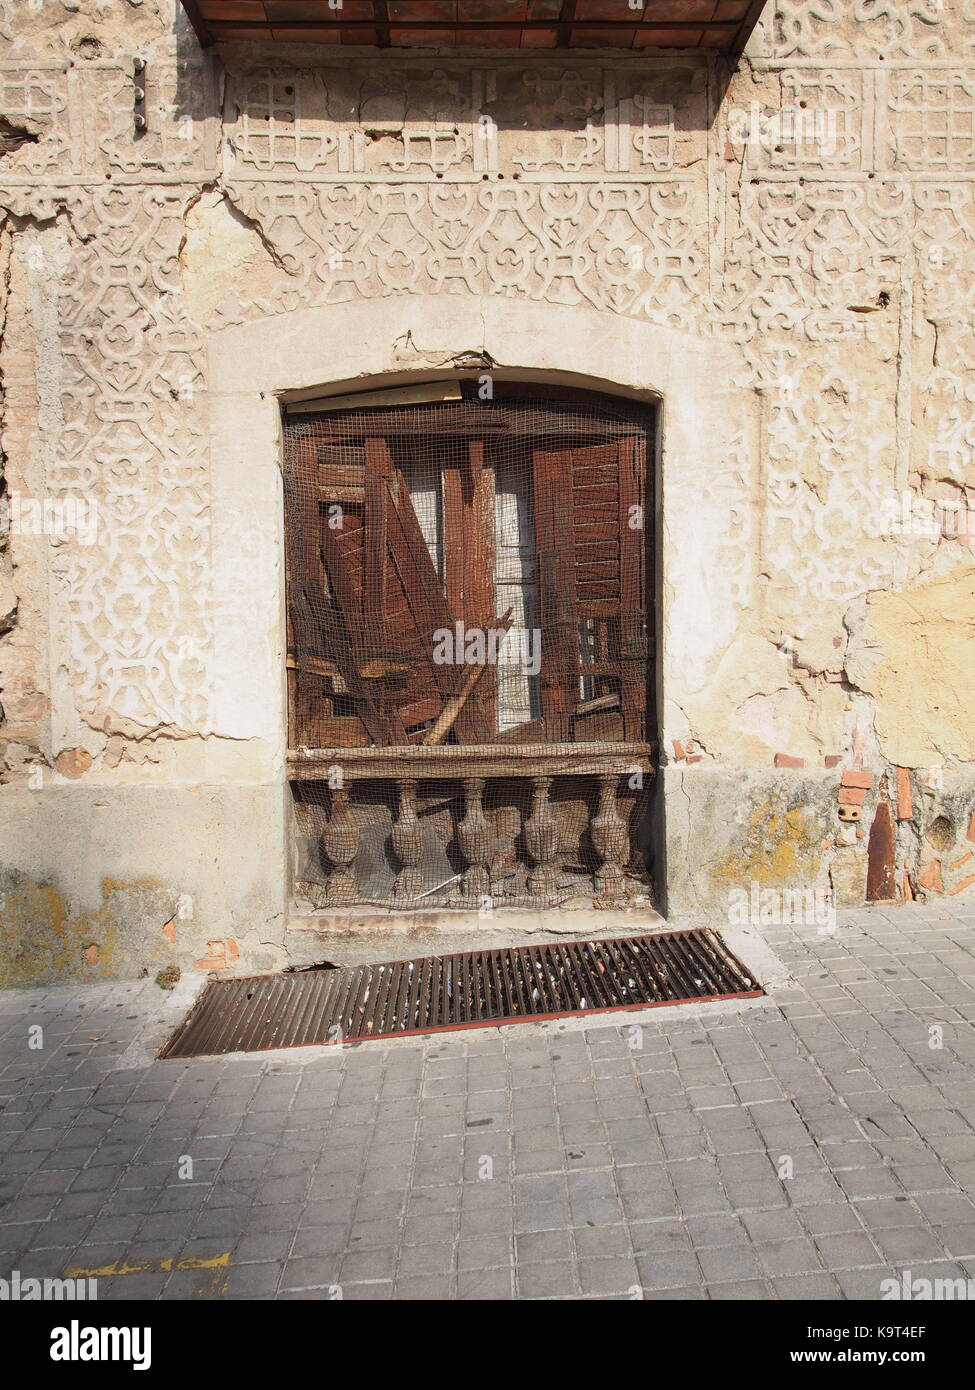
[{"x": 468, "y": 572}]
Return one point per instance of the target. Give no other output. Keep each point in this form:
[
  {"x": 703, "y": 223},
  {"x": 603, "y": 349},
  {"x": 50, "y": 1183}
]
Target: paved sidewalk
[{"x": 809, "y": 1145}]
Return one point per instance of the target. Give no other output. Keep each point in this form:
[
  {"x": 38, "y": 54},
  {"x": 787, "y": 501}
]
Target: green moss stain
[
  {"x": 44, "y": 939},
  {"x": 774, "y": 847}
]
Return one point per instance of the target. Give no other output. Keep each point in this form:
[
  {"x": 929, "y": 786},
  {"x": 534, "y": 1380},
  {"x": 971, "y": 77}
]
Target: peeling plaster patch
[
  {"x": 750, "y": 666},
  {"x": 771, "y": 718},
  {"x": 918, "y": 668},
  {"x": 221, "y": 251}
]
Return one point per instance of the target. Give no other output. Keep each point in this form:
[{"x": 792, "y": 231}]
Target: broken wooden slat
[{"x": 465, "y": 689}]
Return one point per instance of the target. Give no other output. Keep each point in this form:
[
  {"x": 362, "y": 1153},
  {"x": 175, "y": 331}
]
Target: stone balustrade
[{"x": 606, "y": 778}]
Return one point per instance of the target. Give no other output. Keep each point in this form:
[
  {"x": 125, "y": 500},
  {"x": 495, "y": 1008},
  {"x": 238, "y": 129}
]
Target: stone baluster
[
  {"x": 611, "y": 841},
  {"x": 475, "y": 836},
  {"x": 505, "y": 857},
  {"x": 407, "y": 842},
  {"x": 340, "y": 841},
  {"x": 541, "y": 834}
]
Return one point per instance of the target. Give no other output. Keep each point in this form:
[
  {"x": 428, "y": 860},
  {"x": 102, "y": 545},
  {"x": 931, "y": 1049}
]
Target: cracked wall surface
[{"x": 817, "y": 616}]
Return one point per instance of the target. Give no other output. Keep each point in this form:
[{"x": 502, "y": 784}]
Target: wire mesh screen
[
  {"x": 469, "y": 571},
  {"x": 466, "y": 585}
]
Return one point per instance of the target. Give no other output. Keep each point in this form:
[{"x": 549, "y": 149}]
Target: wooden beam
[
  {"x": 448, "y": 761},
  {"x": 735, "y": 32},
  {"x": 566, "y": 15},
  {"x": 381, "y": 11},
  {"x": 284, "y": 26}
]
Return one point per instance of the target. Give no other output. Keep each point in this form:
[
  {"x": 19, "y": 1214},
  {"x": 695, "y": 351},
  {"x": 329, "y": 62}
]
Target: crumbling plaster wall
[{"x": 806, "y": 631}]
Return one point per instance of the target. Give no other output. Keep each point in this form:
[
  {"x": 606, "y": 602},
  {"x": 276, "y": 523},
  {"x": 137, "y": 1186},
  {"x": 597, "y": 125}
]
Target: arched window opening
[{"x": 468, "y": 570}]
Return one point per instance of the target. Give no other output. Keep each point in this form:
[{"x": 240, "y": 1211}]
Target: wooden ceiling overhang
[{"x": 721, "y": 26}]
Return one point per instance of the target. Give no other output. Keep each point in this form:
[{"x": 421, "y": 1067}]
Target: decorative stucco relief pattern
[
  {"x": 136, "y": 600},
  {"x": 132, "y": 438},
  {"x": 616, "y": 186}
]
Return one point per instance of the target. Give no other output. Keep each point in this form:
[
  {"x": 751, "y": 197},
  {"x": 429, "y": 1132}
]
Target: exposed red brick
[
  {"x": 856, "y": 779},
  {"x": 787, "y": 760},
  {"x": 678, "y": 749},
  {"x": 831, "y": 759},
  {"x": 971, "y": 829},
  {"x": 169, "y": 930},
  {"x": 222, "y": 954},
  {"x": 695, "y": 757},
  {"x": 931, "y": 878},
  {"x": 851, "y": 796},
  {"x": 957, "y": 863},
  {"x": 908, "y": 889},
  {"x": 217, "y": 958},
  {"x": 881, "y": 879},
  {"x": 90, "y": 954},
  {"x": 905, "y": 797},
  {"x": 965, "y": 883}
]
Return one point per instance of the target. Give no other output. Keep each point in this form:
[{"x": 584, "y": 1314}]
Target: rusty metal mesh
[{"x": 467, "y": 571}]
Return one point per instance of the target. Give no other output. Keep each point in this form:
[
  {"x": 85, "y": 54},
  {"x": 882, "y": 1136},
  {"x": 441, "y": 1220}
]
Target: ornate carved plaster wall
[{"x": 829, "y": 269}]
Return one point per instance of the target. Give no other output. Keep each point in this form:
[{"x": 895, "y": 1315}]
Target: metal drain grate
[{"x": 469, "y": 990}]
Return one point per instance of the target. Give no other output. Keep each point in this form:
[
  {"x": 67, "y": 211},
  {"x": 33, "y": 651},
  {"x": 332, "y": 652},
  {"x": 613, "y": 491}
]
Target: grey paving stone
[
  {"x": 533, "y": 1247},
  {"x": 602, "y": 1242},
  {"x": 828, "y": 1219},
  {"x": 958, "y": 1241},
  {"x": 274, "y": 1246},
  {"x": 132, "y": 1287},
  {"x": 849, "y": 1251},
  {"x": 371, "y": 1155},
  {"x": 685, "y": 1295},
  {"x": 668, "y": 1270},
  {"x": 773, "y": 1225},
  {"x": 807, "y": 1286},
  {"x": 900, "y": 1244},
  {"x": 735, "y": 1262},
  {"x": 596, "y": 1211},
  {"x": 252, "y": 1281},
  {"x": 311, "y": 1273},
  {"x": 658, "y": 1237},
  {"x": 549, "y": 1280},
  {"x": 863, "y": 1283},
  {"x": 608, "y": 1276},
  {"x": 485, "y": 1285},
  {"x": 788, "y": 1257},
  {"x": 748, "y": 1290}
]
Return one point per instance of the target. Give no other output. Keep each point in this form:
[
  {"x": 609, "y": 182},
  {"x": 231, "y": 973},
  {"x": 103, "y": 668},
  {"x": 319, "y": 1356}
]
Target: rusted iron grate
[{"x": 469, "y": 990}]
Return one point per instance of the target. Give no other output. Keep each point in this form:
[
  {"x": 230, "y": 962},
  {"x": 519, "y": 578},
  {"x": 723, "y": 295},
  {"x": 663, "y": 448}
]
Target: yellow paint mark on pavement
[{"x": 210, "y": 1288}]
